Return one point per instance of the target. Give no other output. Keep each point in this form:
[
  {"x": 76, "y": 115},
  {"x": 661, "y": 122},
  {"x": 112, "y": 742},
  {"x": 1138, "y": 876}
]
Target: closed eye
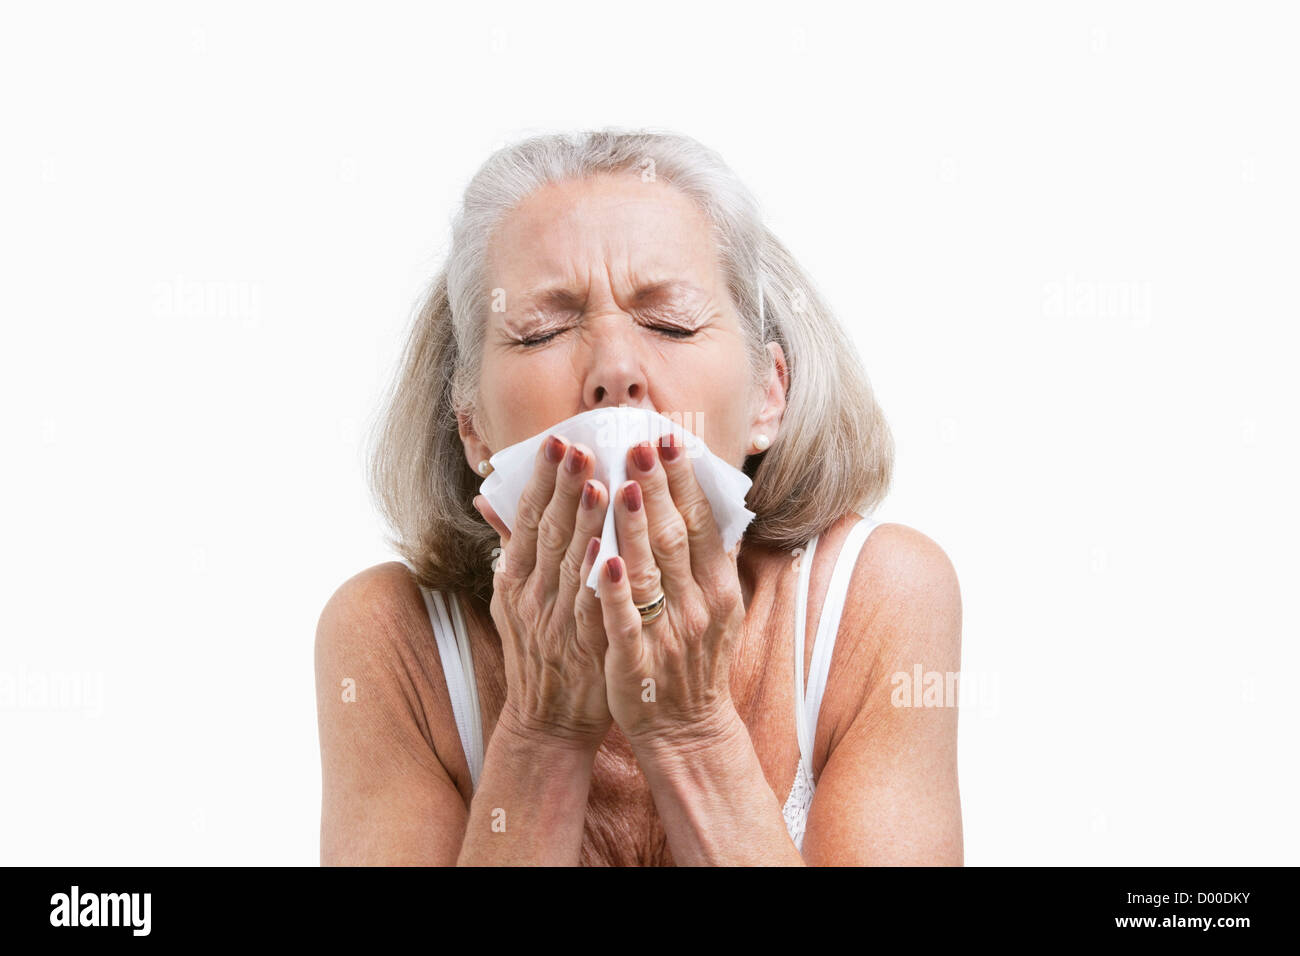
[
  {"x": 674, "y": 332},
  {"x": 668, "y": 330},
  {"x": 539, "y": 339}
]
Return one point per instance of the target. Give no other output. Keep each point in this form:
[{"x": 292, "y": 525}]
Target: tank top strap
[
  {"x": 808, "y": 701},
  {"x": 800, "y": 619},
  {"x": 452, "y": 636}
]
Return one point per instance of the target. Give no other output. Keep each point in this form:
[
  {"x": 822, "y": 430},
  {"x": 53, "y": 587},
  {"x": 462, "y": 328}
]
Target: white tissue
[{"x": 609, "y": 433}]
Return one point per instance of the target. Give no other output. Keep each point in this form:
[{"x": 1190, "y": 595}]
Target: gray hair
[{"x": 833, "y": 453}]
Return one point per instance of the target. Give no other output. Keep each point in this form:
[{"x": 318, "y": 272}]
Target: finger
[
  {"x": 557, "y": 552},
  {"x": 589, "y": 523},
  {"x": 490, "y": 515},
  {"x": 644, "y": 579},
  {"x": 666, "y": 534},
  {"x": 586, "y": 605},
  {"x": 708, "y": 558},
  {"x": 532, "y": 505},
  {"x": 621, "y": 619}
]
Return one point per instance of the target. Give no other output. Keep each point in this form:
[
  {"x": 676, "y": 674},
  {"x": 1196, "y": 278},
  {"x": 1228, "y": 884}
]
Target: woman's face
[{"x": 609, "y": 291}]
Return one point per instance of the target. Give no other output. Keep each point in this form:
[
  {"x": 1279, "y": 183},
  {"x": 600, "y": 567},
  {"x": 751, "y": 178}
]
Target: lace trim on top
[{"x": 798, "y": 804}]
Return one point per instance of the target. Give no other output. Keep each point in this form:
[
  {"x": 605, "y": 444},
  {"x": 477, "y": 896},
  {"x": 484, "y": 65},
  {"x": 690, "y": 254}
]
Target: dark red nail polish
[
  {"x": 668, "y": 447},
  {"x": 614, "y": 569},
  {"x": 589, "y": 495},
  {"x": 632, "y": 496},
  {"x": 593, "y": 548},
  {"x": 644, "y": 456},
  {"x": 554, "y": 449},
  {"x": 576, "y": 460}
]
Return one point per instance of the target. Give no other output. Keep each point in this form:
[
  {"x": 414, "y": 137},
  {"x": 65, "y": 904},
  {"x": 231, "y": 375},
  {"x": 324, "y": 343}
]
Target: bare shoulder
[
  {"x": 389, "y": 796},
  {"x": 905, "y": 571},
  {"x": 903, "y": 608},
  {"x": 375, "y": 644},
  {"x": 375, "y": 618},
  {"x": 369, "y": 608},
  {"x": 888, "y": 788}
]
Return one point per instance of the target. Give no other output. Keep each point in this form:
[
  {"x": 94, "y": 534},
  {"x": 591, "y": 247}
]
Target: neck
[{"x": 748, "y": 562}]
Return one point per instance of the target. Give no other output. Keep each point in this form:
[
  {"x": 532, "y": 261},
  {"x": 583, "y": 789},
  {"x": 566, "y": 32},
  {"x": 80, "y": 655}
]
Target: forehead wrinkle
[
  {"x": 567, "y": 255},
  {"x": 556, "y": 296},
  {"x": 657, "y": 286}
]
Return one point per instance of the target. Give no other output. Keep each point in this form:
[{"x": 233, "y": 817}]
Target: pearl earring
[
  {"x": 485, "y": 467},
  {"x": 763, "y": 442}
]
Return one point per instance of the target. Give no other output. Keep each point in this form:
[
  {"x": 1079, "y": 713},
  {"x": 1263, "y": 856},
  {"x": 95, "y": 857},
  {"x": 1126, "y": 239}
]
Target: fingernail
[
  {"x": 575, "y": 460},
  {"x": 589, "y": 495},
  {"x": 644, "y": 456},
  {"x": 593, "y": 548},
  {"x": 554, "y": 449},
  {"x": 614, "y": 569},
  {"x": 632, "y": 496},
  {"x": 668, "y": 447}
]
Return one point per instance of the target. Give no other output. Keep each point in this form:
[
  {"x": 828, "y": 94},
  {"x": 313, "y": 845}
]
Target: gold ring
[{"x": 652, "y": 609}]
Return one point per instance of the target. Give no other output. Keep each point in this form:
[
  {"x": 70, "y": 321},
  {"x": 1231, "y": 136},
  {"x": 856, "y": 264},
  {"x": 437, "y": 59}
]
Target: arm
[
  {"x": 386, "y": 796},
  {"x": 888, "y": 792},
  {"x": 668, "y": 680},
  {"x": 531, "y": 803},
  {"x": 714, "y": 800}
]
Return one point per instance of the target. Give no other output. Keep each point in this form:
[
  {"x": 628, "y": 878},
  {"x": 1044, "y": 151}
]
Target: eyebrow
[{"x": 562, "y": 297}]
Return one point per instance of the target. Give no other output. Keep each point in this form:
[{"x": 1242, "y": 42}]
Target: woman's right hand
[{"x": 550, "y": 623}]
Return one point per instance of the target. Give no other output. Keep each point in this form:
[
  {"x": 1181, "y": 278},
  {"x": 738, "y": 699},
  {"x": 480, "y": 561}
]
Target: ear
[
  {"x": 771, "y": 408},
  {"x": 476, "y": 449}
]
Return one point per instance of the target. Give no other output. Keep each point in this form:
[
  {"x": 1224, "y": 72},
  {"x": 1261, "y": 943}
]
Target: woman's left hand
[{"x": 668, "y": 681}]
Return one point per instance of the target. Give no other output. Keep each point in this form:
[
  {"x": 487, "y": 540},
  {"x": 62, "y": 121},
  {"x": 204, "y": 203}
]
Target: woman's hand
[
  {"x": 549, "y": 621},
  {"x": 668, "y": 681}
]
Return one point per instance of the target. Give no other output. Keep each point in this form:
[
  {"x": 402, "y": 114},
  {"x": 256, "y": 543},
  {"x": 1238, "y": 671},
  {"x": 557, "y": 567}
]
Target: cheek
[
  {"x": 520, "y": 398},
  {"x": 710, "y": 395},
  {"x": 719, "y": 420}
]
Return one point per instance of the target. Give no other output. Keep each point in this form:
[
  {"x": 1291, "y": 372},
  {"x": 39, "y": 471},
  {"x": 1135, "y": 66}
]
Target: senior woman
[{"x": 478, "y": 704}]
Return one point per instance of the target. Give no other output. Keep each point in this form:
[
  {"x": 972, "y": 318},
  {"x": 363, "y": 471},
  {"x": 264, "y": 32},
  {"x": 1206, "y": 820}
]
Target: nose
[{"x": 615, "y": 372}]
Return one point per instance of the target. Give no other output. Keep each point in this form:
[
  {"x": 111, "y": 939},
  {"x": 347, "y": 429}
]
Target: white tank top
[{"x": 458, "y": 667}]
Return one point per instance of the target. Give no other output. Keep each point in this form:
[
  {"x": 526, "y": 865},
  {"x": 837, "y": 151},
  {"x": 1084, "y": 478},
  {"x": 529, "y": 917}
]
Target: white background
[{"x": 1065, "y": 240}]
